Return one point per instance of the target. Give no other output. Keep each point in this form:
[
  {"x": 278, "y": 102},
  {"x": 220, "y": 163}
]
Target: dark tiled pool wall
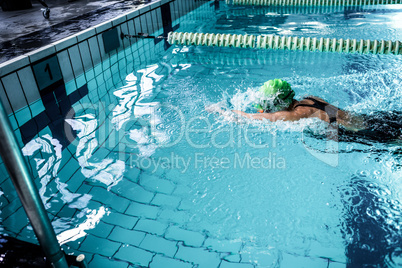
[
  {"x": 38, "y": 89},
  {"x": 25, "y": 80}
]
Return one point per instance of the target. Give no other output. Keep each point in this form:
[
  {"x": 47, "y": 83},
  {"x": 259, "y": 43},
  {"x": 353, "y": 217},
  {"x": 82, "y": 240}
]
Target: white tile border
[
  {"x": 13, "y": 64},
  {"x": 86, "y": 34},
  {"x": 41, "y": 53},
  {"x": 100, "y": 28},
  {"x": 66, "y": 42},
  {"x": 119, "y": 20}
]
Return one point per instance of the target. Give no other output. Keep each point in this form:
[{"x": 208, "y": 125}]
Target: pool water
[
  {"x": 149, "y": 156},
  {"x": 268, "y": 184}
]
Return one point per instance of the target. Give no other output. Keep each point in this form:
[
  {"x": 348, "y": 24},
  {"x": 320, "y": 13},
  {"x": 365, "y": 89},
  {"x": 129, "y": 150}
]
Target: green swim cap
[{"x": 276, "y": 95}]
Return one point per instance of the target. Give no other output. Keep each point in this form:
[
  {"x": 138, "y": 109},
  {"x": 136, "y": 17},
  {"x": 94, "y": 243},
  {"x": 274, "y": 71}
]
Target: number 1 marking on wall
[
  {"x": 47, "y": 69},
  {"x": 47, "y": 72}
]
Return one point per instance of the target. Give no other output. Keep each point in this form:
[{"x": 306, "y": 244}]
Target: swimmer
[{"x": 277, "y": 103}]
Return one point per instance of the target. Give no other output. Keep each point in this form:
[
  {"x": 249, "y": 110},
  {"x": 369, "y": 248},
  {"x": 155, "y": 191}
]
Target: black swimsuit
[
  {"x": 331, "y": 110},
  {"x": 381, "y": 126}
]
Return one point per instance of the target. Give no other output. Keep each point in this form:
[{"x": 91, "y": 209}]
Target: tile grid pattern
[
  {"x": 141, "y": 227},
  {"x": 156, "y": 236},
  {"x": 80, "y": 62},
  {"x": 110, "y": 78}
]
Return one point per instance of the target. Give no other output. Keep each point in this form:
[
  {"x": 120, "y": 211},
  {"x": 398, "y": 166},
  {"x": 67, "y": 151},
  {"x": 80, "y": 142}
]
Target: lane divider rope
[
  {"x": 286, "y": 43},
  {"x": 235, "y": 12}
]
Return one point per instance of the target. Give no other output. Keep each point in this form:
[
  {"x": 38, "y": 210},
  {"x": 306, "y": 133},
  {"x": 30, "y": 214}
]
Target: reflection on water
[
  {"x": 127, "y": 95},
  {"x": 359, "y": 22},
  {"x": 107, "y": 171},
  {"x": 298, "y": 210},
  {"x": 133, "y": 117},
  {"x": 91, "y": 219},
  {"x": 302, "y": 208},
  {"x": 47, "y": 166},
  {"x": 148, "y": 136},
  {"x": 371, "y": 223}
]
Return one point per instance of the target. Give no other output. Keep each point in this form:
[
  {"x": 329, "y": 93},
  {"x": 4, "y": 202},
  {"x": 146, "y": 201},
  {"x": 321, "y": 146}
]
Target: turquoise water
[
  {"x": 148, "y": 158},
  {"x": 297, "y": 197},
  {"x": 368, "y": 22}
]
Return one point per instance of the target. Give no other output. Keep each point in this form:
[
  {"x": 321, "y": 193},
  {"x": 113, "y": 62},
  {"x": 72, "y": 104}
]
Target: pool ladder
[
  {"x": 28, "y": 193},
  {"x": 286, "y": 43}
]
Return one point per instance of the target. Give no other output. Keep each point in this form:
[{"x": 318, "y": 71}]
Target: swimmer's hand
[
  {"x": 214, "y": 108},
  {"x": 225, "y": 113}
]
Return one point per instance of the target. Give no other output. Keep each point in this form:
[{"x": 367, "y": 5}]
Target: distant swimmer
[{"x": 276, "y": 103}]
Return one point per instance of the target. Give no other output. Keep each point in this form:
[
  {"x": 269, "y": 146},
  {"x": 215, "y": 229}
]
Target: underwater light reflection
[
  {"x": 48, "y": 168},
  {"x": 107, "y": 171},
  {"x": 93, "y": 218}
]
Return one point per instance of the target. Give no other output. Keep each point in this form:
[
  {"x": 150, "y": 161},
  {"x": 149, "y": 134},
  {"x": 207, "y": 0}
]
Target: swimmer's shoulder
[{"x": 310, "y": 99}]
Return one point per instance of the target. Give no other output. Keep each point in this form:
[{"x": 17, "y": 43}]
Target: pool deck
[{"x": 23, "y": 31}]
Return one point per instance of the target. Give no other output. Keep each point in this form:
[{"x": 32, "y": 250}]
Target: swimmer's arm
[{"x": 273, "y": 117}]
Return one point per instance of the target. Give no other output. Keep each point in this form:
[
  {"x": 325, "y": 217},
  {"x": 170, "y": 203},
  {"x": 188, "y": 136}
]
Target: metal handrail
[{"x": 28, "y": 193}]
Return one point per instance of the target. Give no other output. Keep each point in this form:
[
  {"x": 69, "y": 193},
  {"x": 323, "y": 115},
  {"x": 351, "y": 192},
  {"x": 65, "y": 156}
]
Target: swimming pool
[{"x": 146, "y": 177}]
